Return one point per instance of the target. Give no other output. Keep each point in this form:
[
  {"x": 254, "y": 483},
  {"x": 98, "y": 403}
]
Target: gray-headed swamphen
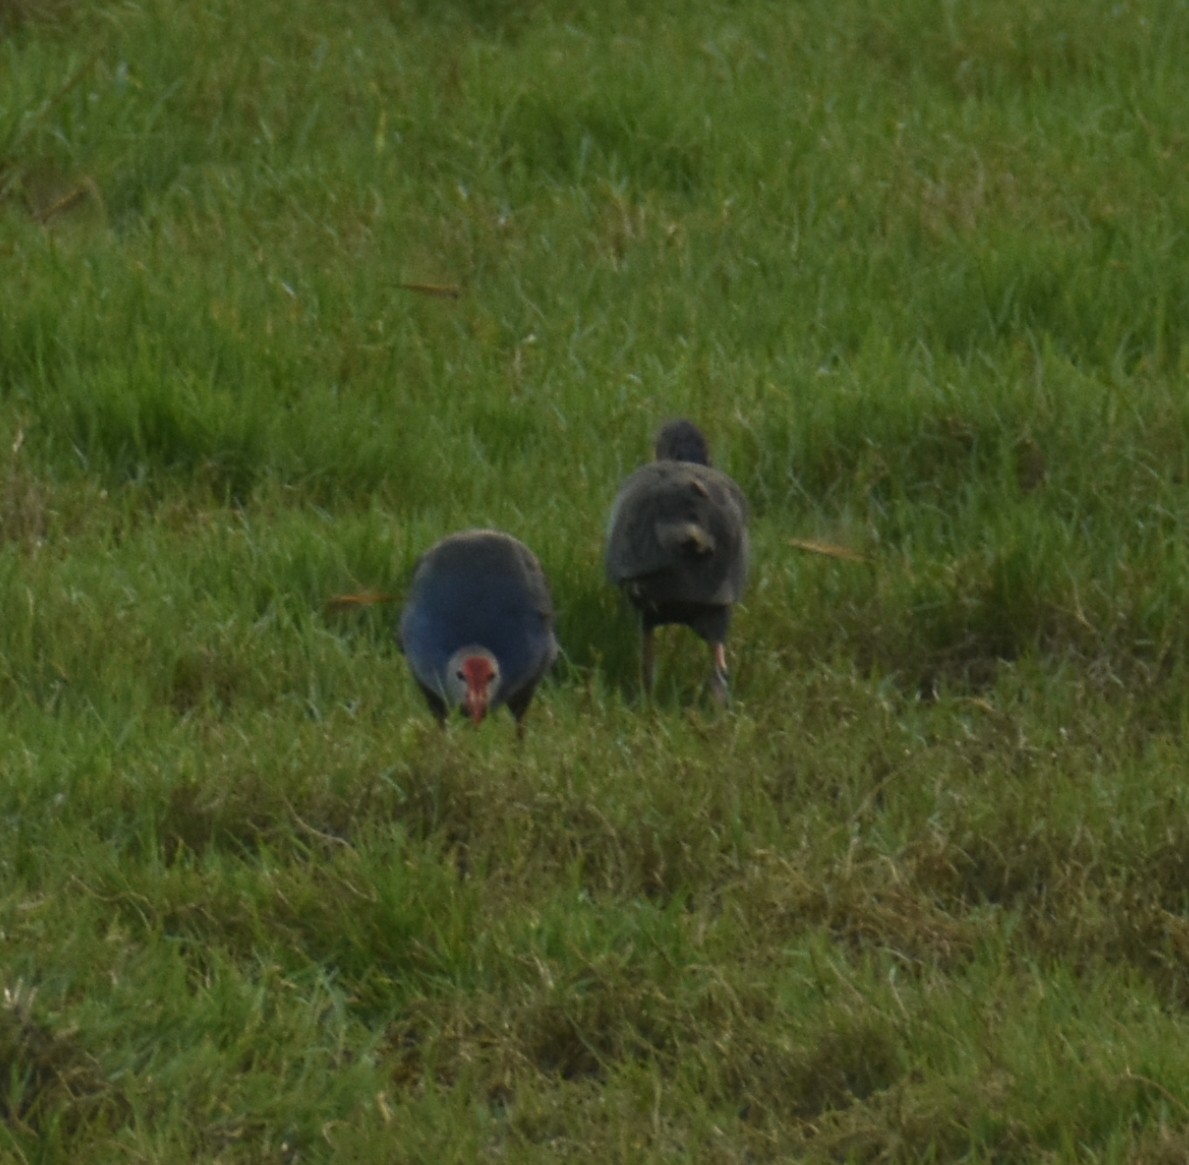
[
  {"x": 477, "y": 626},
  {"x": 678, "y": 546}
]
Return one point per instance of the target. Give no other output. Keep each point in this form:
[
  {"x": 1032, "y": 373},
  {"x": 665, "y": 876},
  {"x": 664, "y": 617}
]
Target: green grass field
[{"x": 290, "y": 290}]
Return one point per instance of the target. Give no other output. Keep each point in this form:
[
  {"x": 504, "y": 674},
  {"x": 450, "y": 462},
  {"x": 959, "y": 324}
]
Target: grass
[{"x": 293, "y": 290}]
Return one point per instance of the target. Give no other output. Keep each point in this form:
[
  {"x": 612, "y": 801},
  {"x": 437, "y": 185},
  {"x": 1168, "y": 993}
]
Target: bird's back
[
  {"x": 483, "y": 588},
  {"x": 678, "y": 535}
]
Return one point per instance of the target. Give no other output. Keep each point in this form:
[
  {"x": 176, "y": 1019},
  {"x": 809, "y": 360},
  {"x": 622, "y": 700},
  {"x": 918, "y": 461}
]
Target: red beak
[
  {"x": 476, "y": 703},
  {"x": 478, "y": 671}
]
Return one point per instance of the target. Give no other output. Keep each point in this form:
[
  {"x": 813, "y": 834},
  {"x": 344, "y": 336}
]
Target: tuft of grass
[{"x": 53, "y": 1083}]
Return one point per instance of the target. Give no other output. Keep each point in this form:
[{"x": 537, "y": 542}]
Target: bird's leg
[
  {"x": 720, "y": 678},
  {"x": 647, "y": 661}
]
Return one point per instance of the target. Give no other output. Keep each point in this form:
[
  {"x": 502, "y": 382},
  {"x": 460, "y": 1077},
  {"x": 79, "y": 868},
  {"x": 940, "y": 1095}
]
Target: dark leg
[
  {"x": 647, "y": 661},
  {"x": 518, "y": 706},
  {"x": 436, "y": 705}
]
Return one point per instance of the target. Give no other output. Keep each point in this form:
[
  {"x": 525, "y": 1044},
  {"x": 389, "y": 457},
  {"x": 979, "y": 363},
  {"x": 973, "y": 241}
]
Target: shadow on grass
[{"x": 51, "y": 1080}]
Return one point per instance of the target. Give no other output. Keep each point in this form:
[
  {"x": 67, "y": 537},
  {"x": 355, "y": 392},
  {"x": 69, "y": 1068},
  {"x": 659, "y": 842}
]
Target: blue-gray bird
[
  {"x": 477, "y": 627},
  {"x": 678, "y": 546}
]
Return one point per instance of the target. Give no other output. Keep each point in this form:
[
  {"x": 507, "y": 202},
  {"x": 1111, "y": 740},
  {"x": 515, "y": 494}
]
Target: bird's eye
[{"x": 460, "y": 674}]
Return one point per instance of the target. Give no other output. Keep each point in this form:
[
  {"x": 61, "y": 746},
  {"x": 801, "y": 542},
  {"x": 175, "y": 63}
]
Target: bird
[
  {"x": 477, "y": 625},
  {"x": 677, "y": 546}
]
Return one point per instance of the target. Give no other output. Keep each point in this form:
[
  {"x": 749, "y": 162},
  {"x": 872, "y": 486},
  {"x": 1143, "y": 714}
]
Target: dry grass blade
[
  {"x": 829, "y": 549},
  {"x": 435, "y": 290},
  {"x": 87, "y": 189},
  {"x": 361, "y": 599}
]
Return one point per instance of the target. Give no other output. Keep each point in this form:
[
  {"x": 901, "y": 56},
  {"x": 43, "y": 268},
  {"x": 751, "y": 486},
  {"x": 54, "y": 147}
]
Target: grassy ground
[{"x": 291, "y": 290}]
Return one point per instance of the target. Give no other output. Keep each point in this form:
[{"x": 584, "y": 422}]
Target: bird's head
[{"x": 472, "y": 680}]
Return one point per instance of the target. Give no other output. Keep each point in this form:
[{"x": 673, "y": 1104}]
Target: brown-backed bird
[
  {"x": 477, "y": 627},
  {"x": 678, "y": 545}
]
